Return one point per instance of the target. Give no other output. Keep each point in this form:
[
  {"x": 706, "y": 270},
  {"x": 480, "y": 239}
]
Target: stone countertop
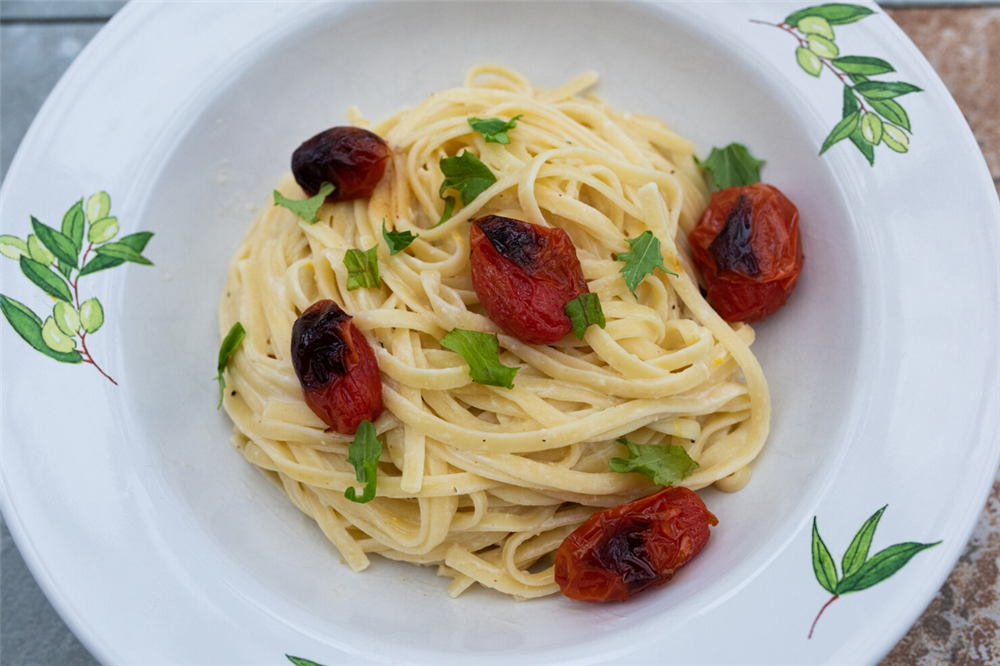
[{"x": 38, "y": 41}]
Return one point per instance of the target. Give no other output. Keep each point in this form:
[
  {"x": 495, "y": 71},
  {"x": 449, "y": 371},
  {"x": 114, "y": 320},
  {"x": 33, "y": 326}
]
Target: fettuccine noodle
[{"x": 484, "y": 481}]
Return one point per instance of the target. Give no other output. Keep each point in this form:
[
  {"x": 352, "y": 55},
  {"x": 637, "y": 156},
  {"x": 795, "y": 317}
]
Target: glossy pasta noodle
[{"x": 483, "y": 481}]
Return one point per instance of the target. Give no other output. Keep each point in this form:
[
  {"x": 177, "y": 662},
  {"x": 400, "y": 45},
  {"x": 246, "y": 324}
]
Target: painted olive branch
[
  {"x": 871, "y": 115},
  {"x": 51, "y": 259},
  {"x": 858, "y": 571}
]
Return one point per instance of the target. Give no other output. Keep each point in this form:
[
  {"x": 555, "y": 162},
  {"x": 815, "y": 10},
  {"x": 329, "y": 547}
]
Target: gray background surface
[{"x": 38, "y": 41}]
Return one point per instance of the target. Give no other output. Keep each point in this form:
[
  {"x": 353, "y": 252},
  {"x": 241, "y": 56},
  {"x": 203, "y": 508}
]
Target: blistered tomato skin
[
  {"x": 524, "y": 274},
  {"x": 623, "y": 550},
  {"x": 748, "y": 249},
  {"x": 351, "y": 158},
  {"x": 336, "y": 368}
]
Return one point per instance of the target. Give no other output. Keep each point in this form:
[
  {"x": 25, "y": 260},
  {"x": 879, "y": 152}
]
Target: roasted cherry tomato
[
  {"x": 625, "y": 549},
  {"x": 336, "y": 367},
  {"x": 524, "y": 275},
  {"x": 748, "y": 249},
  {"x": 351, "y": 158}
]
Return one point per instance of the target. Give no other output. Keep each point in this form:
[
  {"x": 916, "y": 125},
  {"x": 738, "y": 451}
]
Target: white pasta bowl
[{"x": 158, "y": 543}]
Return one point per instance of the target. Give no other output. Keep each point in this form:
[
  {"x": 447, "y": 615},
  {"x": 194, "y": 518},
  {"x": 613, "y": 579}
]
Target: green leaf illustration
[
  {"x": 46, "y": 279},
  {"x": 363, "y": 453},
  {"x": 228, "y": 347},
  {"x": 841, "y": 131},
  {"x": 74, "y": 223},
  {"x": 305, "y": 209},
  {"x": 123, "y": 251},
  {"x": 643, "y": 257},
  {"x": 299, "y": 661},
  {"x": 57, "y": 242},
  {"x": 882, "y": 565},
  {"x": 362, "y": 269},
  {"x": 877, "y": 90},
  {"x": 892, "y": 111},
  {"x": 850, "y": 102},
  {"x": 665, "y": 464},
  {"x": 732, "y": 166},
  {"x": 583, "y": 311},
  {"x": 823, "y": 565},
  {"x": 397, "y": 240},
  {"x": 467, "y": 175},
  {"x": 865, "y": 65},
  {"x": 13, "y": 247},
  {"x": 98, "y": 207},
  {"x": 833, "y": 13},
  {"x": 867, "y": 149},
  {"x": 449, "y": 208},
  {"x": 481, "y": 351},
  {"x": 29, "y": 326},
  {"x": 494, "y": 130},
  {"x": 91, "y": 315},
  {"x": 857, "y": 552}
]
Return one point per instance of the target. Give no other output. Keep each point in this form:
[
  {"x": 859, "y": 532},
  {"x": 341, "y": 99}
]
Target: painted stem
[
  {"x": 813, "y": 627},
  {"x": 90, "y": 359}
]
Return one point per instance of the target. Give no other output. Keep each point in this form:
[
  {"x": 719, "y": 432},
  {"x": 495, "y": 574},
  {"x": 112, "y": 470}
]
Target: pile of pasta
[{"x": 485, "y": 482}]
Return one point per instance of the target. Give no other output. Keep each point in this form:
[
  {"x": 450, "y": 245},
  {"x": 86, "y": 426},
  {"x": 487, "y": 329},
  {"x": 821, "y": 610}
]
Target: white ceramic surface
[{"x": 159, "y": 544}]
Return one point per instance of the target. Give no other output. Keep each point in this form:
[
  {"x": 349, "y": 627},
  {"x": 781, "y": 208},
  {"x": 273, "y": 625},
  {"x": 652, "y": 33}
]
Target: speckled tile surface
[{"x": 961, "y": 626}]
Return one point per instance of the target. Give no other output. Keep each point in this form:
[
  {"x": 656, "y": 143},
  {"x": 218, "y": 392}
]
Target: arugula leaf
[
  {"x": 732, "y": 166},
  {"x": 362, "y": 269},
  {"x": 397, "y": 240},
  {"x": 664, "y": 464},
  {"x": 494, "y": 130},
  {"x": 305, "y": 209},
  {"x": 363, "y": 453},
  {"x": 467, "y": 175},
  {"x": 639, "y": 261},
  {"x": 482, "y": 352},
  {"x": 449, "y": 208},
  {"x": 583, "y": 311},
  {"x": 229, "y": 344}
]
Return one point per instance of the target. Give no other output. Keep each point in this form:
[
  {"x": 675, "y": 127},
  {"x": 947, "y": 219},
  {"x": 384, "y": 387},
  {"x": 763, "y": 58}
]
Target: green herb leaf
[
  {"x": 494, "y": 130},
  {"x": 641, "y": 259},
  {"x": 305, "y": 209},
  {"x": 449, "y": 208},
  {"x": 363, "y": 453},
  {"x": 864, "y": 65},
  {"x": 892, "y": 111},
  {"x": 58, "y": 243},
  {"x": 229, "y": 345},
  {"x": 881, "y": 565},
  {"x": 299, "y": 661},
  {"x": 74, "y": 223},
  {"x": 732, "y": 166},
  {"x": 362, "y": 269},
  {"x": 466, "y": 175},
  {"x": 29, "y": 326},
  {"x": 823, "y": 565},
  {"x": 857, "y": 552},
  {"x": 583, "y": 311},
  {"x": 397, "y": 240},
  {"x": 664, "y": 464},
  {"x": 834, "y": 13},
  {"x": 879, "y": 90},
  {"x": 841, "y": 131},
  {"x": 123, "y": 251},
  {"x": 482, "y": 352},
  {"x": 45, "y": 278}
]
